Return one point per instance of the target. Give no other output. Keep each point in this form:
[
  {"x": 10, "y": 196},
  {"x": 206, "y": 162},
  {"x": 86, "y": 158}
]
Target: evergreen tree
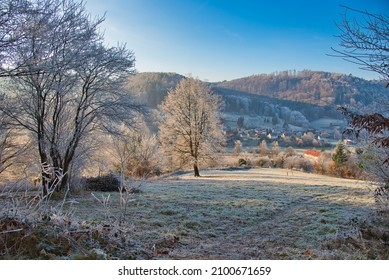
[
  {"x": 240, "y": 122},
  {"x": 340, "y": 155}
]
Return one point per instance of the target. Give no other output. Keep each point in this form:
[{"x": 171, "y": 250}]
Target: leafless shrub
[
  {"x": 321, "y": 164},
  {"x": 264, "y": 161},
  {"x": 126, "y": 191},
  {"x": 105, "y": 183},
  {"x": 33, "y": 227}
]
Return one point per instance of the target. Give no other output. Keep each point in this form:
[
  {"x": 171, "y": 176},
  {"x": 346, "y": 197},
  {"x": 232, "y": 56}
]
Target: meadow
[{"x": 244, "y": 214}]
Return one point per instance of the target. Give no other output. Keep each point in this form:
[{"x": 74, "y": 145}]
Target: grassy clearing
[{"x": 244, "y": 214}]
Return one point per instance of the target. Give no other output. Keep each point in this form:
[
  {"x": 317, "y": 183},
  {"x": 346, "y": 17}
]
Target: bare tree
[
  {"x": 7, "y": 148},
  {"x": 237, "y": 148},
  {"x": 71, "y": 85},
  {"x": 275, "y": 148},
  {"x": 12, "y": 13},
  {"x": 263, "y": 149},
  {"x": 190, "y": 127},
  {"x": 365, "y": 42},
  {"x": 136, "y": 151}
]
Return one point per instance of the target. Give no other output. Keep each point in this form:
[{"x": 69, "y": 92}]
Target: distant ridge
[
  {"x": 315, "y": 94},
  {"x": 314, "y": 87}
]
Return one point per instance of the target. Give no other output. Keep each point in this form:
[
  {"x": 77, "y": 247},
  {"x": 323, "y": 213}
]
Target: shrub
[
  {"x": 321, "y": 165},
  {"x": 292, "y": 162},
  {"x": 381, "y": 196},
  {"x": 108, "y": 183},
  {"x": 264, "y": 162},
  {"x": 289, "y": 152},
  {"x": 142, "y": 169},
  {"x": 242, "y": 162},
  {"x": 278, "y": 161},
  {"x": 298, "y": 162},
  {"x": 306, "y": 165}
]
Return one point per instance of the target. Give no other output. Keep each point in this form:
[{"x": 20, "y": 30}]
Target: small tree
[
  {"x": 190, "y": 127},
  {"x": 240, "y": 122},
  {"x": 340, "y": 155},
  {"x": 263, "y": 150},
  {"x": 237, "y": 148},
  {"x": 275, "y": 148}
]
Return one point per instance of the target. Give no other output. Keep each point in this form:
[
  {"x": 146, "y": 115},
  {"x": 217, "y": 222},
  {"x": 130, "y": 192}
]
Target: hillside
[
  {"x": 314, "y": 87},
  {"x": 152, "y": 87},
  {"x": 295, "y": 97}
]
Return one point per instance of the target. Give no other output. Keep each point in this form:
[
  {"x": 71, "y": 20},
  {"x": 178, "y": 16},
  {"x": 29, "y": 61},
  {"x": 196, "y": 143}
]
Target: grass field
[{"x": 244, "y": 214}]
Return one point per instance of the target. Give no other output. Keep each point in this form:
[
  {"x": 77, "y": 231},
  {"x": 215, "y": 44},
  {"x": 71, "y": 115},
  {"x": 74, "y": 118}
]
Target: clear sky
[{"x": 221, "y": 39}]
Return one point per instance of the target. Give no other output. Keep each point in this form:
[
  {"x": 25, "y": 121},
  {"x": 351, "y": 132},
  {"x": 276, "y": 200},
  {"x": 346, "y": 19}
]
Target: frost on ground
[
  {"x": 236, "y": 214},
  {"x": 250, "y": 213}
]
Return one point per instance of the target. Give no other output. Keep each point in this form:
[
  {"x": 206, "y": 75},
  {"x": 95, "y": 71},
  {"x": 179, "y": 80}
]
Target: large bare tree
[
  {"x": 364, "y": 39},
  {"x": 71, "y": 83},
  {"x": 190, "y": 128}
]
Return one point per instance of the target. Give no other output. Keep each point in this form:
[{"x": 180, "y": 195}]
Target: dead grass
[{"x": 244, "y": 214}]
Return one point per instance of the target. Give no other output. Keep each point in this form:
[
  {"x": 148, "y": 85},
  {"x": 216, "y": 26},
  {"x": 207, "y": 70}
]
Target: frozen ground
[{"x": 245, "y": 214}]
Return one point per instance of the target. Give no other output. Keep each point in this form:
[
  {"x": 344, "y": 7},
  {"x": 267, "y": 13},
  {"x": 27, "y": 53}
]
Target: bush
[
  {"x": 278, "y": 161},
  {"x": 242, "y": 162},
  {"x": 289, "y": 152},
  {"x": 306, "y": 165},
  {"x": 321, "y": 165},
  {"x": 264, "y": 161},
  {"x": 381, "y": 195},
  {"x": 108, "y": 183},
  {"x": 143, "y": 169},
  {"x": 298, "y": 162}
]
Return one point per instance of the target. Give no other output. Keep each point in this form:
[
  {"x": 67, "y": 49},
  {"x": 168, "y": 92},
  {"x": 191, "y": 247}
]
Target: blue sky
[{"x": 221, "y": 40}]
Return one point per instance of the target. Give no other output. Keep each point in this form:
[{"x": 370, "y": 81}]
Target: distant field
[
  {"x": 244, "y": 214},
  {"x": 327, "y": 123}
]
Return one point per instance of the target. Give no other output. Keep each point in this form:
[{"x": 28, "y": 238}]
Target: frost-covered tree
[
  {"x": 364, "y": 40},
  {"x": 65, "y": 83},
  {"x": 263, "y": 149},
  {"x": 275, "y": 148},
  {"x": 237, "y": 148},
  {"x": 137, "y": 151},
  {"x": 7, "y": 148},
  {"x": 190, "y": 128},
  {"x": 12, "y": 20}
]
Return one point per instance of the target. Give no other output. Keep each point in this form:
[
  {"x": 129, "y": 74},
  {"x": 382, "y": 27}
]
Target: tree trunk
[
  {"x": 196, "y": 170},
  {"x": 66, "y": 177},
  {"x": 44, "y": 176}
]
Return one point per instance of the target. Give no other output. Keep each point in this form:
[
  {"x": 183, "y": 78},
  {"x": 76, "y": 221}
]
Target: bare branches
[
  {"x": 67, "y": 82},
  {"x": 365, "y": 41},
  {"x": 190, "y": 129}
]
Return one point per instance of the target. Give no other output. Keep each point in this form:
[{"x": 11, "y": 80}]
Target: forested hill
[
  {"x": 314, "y": 87},
  {"x": 152, "y": 87},
  {"x": 313, "y": 94}
]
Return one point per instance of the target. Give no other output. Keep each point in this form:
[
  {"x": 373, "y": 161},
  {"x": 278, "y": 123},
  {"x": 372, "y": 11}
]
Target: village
[{"x": 318, "y": 135}]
